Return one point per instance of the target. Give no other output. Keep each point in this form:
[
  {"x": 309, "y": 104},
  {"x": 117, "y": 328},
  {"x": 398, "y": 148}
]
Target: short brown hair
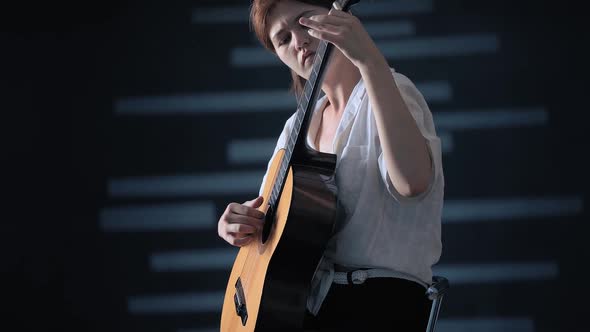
[{"x": 259, "y": 11}]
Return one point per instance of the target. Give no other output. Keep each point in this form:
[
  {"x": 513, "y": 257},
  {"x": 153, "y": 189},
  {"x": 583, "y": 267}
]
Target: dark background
[{"x": 65, "y": 65}]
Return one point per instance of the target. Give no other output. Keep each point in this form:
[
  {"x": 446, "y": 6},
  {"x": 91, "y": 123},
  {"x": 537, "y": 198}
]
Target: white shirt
[{"x": 377, "y": 227}]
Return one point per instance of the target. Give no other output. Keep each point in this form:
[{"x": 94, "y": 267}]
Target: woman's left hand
[{"x": 346, "y": 32}]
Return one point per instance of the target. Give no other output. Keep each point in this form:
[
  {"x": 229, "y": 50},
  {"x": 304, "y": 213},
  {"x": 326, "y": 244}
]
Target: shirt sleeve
[
  {"x": 421, "y": 113},
  {"x": 281, "y": 143}
]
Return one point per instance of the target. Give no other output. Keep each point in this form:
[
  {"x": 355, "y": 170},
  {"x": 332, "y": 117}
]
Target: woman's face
[{"x": 292, "y": 43}]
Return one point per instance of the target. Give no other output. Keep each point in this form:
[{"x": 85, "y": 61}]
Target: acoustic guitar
[{"x": 271, "y": 276}]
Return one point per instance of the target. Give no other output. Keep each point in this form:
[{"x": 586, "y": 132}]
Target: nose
[{"x": 301, "y": 38}]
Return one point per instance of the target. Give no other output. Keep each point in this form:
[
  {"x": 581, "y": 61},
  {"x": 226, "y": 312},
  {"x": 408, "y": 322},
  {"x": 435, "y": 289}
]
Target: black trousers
[{"x": 378, "y": 304}]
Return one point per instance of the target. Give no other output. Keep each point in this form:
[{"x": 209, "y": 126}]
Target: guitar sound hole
[{"x": 268, "y": 221}]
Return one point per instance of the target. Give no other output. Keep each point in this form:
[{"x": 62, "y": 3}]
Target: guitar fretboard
[{"x": 305, "y": 105}]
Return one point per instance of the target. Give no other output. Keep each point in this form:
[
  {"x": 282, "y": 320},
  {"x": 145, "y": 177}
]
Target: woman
[{"x": 377, "y": 264}]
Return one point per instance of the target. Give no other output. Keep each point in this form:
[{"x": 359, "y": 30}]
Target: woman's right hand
[{"x": 239, "y": 223}]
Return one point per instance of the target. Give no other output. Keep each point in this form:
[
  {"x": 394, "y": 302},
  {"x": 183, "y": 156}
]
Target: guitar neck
[
  {"x": 307, "y": 99},
  {"x": 305, "y": 105}
]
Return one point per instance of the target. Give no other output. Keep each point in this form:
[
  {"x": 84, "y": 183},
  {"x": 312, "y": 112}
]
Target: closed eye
[{"x": 284, "y": 40}]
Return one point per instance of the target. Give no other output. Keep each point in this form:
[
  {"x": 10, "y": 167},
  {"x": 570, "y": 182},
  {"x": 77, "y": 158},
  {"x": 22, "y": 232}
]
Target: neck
[{"x": 340, "y": 79}]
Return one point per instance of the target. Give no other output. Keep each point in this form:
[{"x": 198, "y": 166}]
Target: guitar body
[{"x": 271, "y": 277}]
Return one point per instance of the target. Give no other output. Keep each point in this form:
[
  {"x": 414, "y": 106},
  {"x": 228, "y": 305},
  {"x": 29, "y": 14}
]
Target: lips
[{"x": 305, "y": 56}]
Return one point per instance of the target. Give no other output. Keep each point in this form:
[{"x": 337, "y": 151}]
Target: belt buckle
[{"x": 356, "y": 277}]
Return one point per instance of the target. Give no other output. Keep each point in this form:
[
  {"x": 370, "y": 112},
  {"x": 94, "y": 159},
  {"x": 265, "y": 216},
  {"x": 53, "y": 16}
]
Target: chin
[{"x": 306, "y": 74}]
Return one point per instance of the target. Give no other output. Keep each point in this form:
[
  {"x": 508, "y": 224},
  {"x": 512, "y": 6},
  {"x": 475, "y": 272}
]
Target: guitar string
[
  {"x": 280, "y": 174},
  {"x": 284, "y": 166},
  {"x": 245, "y": 277}
]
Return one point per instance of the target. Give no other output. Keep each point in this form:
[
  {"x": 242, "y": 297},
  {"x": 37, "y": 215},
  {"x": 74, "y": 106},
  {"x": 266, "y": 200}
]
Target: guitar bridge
[{"x": 240, "y": 302}]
